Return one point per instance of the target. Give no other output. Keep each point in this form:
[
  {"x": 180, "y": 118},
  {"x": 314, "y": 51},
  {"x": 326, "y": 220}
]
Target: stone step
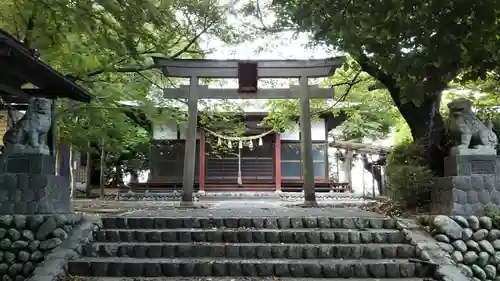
[
  {"x": 211, "y": 278},
  {"x": 317, "y": 268},
  {"x": 241, "y": 235},
  {"x": 263, "y": 222},
  {"x": 250, "y": 250}
]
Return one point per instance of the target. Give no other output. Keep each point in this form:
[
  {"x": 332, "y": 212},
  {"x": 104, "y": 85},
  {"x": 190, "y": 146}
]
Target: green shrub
[{"x": 409, "y": 179}]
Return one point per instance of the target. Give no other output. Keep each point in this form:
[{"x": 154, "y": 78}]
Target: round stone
[
  {"x": 470, "y": 257},
  {"x": 445, "y": 225},
  {"x": 23, "y": 256},
  {"x": 36, "y": 256},
  {"x": 495, "y": 259},
  {"x": 479, "y": 235},
  {"x": 491, "y": 271},
  {"x": 4, "y": 267},
  {"x": 457, "y": 256},
  {"x": 15, "y": 269},
  {"x": 467, "y": 234},
  {"x": 5, "y": 244},
  {"x": 34, "y": 245},
  {"x": 478, "y": 272},
  {"x": 461, "y": 221},
  {"x": 473, "y": 222},
  {"x": 487, "y": 247},
  {"x": 28, "y": 234},
  {"x": 6, "y": 220},
  {"x": 60, "y": 233},
  {"x": 486, "y": 222},
  {"x": 50, "y": 244},
  {"x": 494, "y": 234},
  {"x": 14, "y": 234},
  {"x": 19, "y": 244},
  {"x": 442, "y": 238},
  {"x": 34, "y": 221},
  {"x": 483, "y": 259},
  {"x": 46, "y": 228},
  {"x": 460, "y": 245},
  {"x": 473, "y": 246},
  {"x": 465, "y": 269},
  {"x": 9, "y": 257},
  {"x": 447, "y": 247},
  {"x": 20, "y": 221}
]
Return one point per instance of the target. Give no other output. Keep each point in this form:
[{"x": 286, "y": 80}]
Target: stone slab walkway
[
  {"x": 253, "y": 209},
  {"x": 238, "y": 279}
]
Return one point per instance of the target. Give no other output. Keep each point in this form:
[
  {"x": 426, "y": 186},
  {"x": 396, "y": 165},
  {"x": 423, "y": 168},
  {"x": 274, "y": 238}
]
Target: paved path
[{"x": 251, "y": 209}]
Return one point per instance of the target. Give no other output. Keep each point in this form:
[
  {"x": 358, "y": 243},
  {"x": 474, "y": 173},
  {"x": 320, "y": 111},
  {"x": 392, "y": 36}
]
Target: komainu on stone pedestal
[
  {"x": 470, "y": 136},
  {"x": 28, "y": 135}
]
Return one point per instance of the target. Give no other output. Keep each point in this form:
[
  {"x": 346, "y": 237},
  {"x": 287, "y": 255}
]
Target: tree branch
[
  {"x": 344, "y": 96},
  {"x": 389, "y": 82}
]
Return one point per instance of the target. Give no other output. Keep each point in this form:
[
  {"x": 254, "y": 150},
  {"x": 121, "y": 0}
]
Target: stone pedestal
[
  {"x": 471, "y": 185},
  {"x": 467, "y": 165},
  {"x": 28, "y": 185}
]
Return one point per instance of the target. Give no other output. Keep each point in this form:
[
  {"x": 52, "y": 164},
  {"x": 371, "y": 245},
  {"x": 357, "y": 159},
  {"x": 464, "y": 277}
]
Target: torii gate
[{"x": 248, "y": 73}]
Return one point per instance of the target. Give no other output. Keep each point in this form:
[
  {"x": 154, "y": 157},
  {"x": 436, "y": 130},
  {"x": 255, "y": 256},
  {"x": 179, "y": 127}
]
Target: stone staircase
[{"x": 269, "y": 248}]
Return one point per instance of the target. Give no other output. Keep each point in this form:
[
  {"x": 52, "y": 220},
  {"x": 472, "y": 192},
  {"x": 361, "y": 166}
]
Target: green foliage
[
  {"x": 413, "y": 48},
  {"x": 284, "y": 114},
  {"x": 402, "y": 133},
  {"x": 107, "y": 47},
  {"x": 410, "y": 41},
  {"x": 371, "y": 113},
  {"x": 409, "y": 179}
]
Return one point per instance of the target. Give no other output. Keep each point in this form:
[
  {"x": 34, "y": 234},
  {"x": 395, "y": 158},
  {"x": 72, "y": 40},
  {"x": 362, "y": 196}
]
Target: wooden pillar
[
  {"x": 51, "y": 135},
  {"x": 306, "y": 143},
  {"x": 201, "y": 179},
  {"x": 349, "y": 155},
  {"x": 190, "y": 144},
  {"x": 277, "y": 162}
]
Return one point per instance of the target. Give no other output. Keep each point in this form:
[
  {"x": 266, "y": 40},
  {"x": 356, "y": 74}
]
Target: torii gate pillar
[
  {"x": 306, "y": 143},
  {"x": 190, "y": 146}
]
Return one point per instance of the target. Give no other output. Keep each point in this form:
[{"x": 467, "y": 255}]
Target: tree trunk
[
  {"x": 88, "y": 171},
  {"x": 424, "y": 119},
  {"x": 101, "y": 178},
  {"x": 375, "y": 171},
  {"x": 72, "y": 178},
  {"x": 427, "y": 129}
]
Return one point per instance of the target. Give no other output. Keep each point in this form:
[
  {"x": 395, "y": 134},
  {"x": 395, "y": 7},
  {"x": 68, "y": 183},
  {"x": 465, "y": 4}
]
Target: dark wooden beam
[
  {"x": 247, "y": 77},
  {"x": 20, "y": 61}
]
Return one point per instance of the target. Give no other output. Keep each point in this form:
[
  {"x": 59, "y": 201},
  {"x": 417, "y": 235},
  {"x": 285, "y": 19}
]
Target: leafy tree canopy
[
  {"x": 107, "y": 46},
  {"x": 413, "y": 41},
  {"x": 369, "y": 110},
  {"x": 414, "y": 48}
]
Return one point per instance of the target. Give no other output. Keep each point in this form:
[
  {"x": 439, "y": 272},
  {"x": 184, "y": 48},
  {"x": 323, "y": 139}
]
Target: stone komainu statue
[
  {"x": 469, "y": 135},
  {"x": 28, "y": 135}
]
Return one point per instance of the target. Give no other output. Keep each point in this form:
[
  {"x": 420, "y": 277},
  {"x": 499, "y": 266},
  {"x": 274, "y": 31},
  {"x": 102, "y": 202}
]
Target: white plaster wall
[
  {"x": 292, "y": 134},
  {"x": 318, "y": 131},
  {"x": 167, "y": 131},
  {"x": 362, "y": 180}
]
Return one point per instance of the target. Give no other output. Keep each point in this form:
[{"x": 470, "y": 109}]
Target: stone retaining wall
[
  {"x": 473, "y": 244},
  {"x": 25, "y": 240}
]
